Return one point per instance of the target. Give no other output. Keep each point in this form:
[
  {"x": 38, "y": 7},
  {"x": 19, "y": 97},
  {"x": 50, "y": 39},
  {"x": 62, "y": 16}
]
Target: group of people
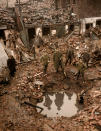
[
  {"x": 69, "y": 56},
  {"x": 57, "y": 61}
]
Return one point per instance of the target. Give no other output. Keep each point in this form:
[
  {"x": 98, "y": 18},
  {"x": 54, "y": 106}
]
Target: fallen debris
[{"x": 30, "y": 104}]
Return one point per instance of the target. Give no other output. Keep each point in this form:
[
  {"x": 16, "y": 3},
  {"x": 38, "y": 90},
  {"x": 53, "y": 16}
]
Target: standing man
[
  {"x": 58, "y": 62},
  {"x": 33, "y": 51},
  {"x": 81, "y": 69},
  {"x": 69, "y": 55},
  {"x": 11, "y": 64},
  {"x": 85, "y": 58},
  {"x": 45, "y": 62}
]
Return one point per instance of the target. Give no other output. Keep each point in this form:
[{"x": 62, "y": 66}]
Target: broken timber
[
  {"x": 30, "y": 104},
  {"x": 84, "y": 91},
  {"x": 70, "y": 35}
]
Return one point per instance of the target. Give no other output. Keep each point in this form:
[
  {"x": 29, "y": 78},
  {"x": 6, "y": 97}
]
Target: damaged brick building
[
  {"x": 88, "y": 12},
  {"x": 53, "y": 17},
  {"x": 46, "y": 18},
  {"x": 7, "y": 22}
]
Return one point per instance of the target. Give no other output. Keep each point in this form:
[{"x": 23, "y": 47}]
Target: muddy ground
[{"x": 16, "y": 115}]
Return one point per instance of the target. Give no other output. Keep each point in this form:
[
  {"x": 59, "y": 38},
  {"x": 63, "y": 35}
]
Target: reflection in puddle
[{"x": 59, "y": 104}]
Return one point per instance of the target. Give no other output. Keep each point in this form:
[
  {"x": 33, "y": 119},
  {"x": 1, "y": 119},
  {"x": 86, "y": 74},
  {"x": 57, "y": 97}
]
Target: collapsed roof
[{"x": 44, "y": 13}]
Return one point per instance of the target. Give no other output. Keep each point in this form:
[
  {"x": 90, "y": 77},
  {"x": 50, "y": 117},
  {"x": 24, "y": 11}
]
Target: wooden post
[{"x": 7, "y": 4}]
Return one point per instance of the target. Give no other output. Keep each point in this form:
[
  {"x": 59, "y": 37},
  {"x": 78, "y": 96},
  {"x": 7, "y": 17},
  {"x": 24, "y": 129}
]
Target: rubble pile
[
  {"x": 45, "y": 13},
  {"x": 90, "y": 117},
  {"x": 79, "y": 45},
  {"x": 6, "y": 19},
  {"x": 97, "y": 31},
  {"x": 31, "y": 82},
  {"x": 27, "y": 87},
  {"x": 94, "y": 32}
]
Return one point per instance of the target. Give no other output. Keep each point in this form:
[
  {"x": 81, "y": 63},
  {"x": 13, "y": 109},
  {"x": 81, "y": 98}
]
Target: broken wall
[
  {"x": 43, "y": 13},
  {"x": 3, "y": 55},
  {"x": 6, "y": 19},
  {"x": 89, "y": 8}
]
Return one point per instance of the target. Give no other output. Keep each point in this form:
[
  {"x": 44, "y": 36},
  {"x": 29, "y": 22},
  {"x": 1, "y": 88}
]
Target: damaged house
[
  {"x": 6, "y": 21},
  {"x": 52, "y": 17},
  {"x": 89, "y": 13},
  {"x": 38, "y": 17},
  {"x": 49, "y": 16}
]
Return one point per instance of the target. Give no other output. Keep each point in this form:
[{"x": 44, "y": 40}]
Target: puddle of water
[{"x": 59, "y": 104}]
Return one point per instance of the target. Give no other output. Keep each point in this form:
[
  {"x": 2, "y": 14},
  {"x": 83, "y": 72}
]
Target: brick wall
[
  {"x": 84, "y": 8},
  {"x": 89, "y": 8}
]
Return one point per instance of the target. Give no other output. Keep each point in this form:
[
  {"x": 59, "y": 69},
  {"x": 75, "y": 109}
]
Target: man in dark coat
[
  {"x": 57, "y": 60},
  {"x": 86, "y": 58},
  {"x": 11, "y": 64},
  {"x": 69, "y": 56}
]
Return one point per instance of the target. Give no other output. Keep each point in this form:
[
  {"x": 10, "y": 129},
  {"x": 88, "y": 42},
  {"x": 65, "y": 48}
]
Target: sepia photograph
[{"x": 50, "y": 65}]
